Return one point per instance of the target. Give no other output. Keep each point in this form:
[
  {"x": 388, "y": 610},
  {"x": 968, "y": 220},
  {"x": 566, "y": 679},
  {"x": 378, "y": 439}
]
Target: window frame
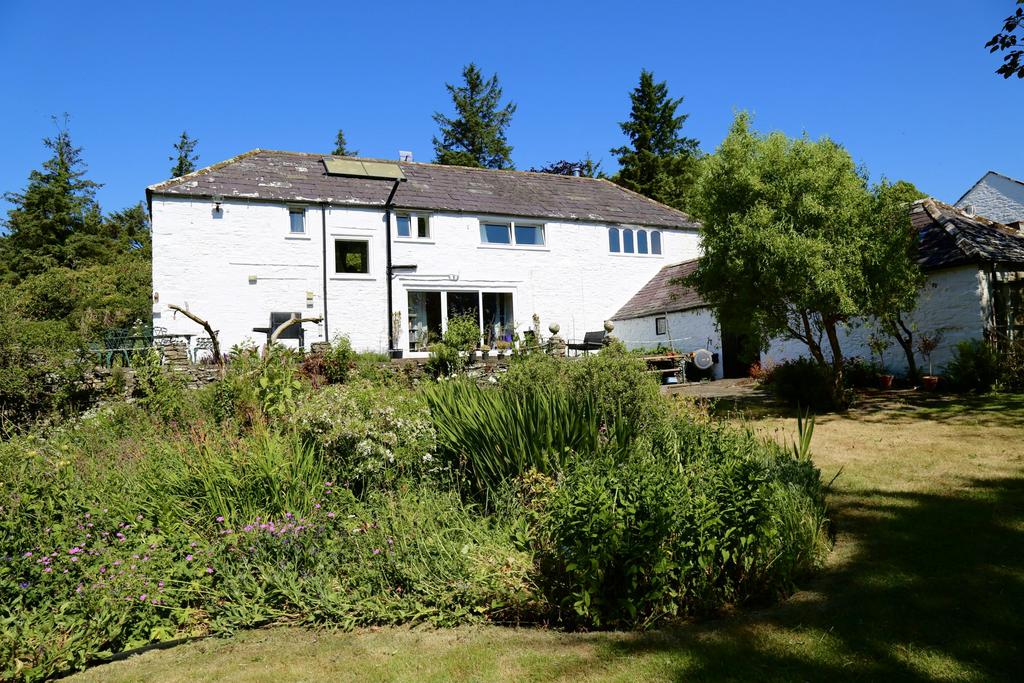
[
  {"x": 357, "y": 275},
  {"x": 661, "y": 325},
  {"x": 414, "y": 226},
  {"x": 624, "y": 240},
  {"x": 512, "y": 224},
  {"x": 297, "y": 210}
]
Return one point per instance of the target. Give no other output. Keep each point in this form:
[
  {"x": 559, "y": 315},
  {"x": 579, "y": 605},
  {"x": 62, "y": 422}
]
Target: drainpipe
[
  {"x": 323, "y": 228},
  {"x": 389, "y": 272}
]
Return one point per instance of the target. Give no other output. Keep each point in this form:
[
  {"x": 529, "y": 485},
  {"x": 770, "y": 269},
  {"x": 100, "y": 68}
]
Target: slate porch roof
[
  {"x": 299, "y": 177},
  {"x": 949, "y": 237},
  {"x": 661, "y": 295}
]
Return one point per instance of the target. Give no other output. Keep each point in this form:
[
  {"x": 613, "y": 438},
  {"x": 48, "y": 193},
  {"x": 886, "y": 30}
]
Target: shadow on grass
[
  {"x": 896, "y": 407},
  {"x": 932, "y": 590}
]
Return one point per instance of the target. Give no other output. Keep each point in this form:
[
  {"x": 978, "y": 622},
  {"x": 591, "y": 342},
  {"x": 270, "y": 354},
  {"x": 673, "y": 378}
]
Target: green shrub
[
  {"x": 861, "y": 374},
  {"x": 975, "y": 366},
  {"x": 256, "y": 389},
  {"x": 628, "y": 539},
  {"x": 493, "y": 435},
  {"x": 616, "y": 381},
  {"x": 448, "y": 357},
  {"x": 802, "y": 382},
  {"x": 444, "y": 360},
  {"x": 369, "y": 434}
]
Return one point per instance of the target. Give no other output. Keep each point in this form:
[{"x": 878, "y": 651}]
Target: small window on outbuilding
[
  {"x": 661, "y": 325},
  {"x": 655, "y": 241},
  {"x": 297, "y": 218},
  {"x": 351, "y": 256},
  {"x": 627, "y": 240},
  {"x": 641, "y": 241},
  {"x": 613, "y": 240}
]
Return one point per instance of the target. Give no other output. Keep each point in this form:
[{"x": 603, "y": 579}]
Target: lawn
[{"x": 926, "y": 582}]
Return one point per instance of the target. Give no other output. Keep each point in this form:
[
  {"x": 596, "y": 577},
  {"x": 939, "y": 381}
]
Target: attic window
[{"x": 351, "y": 256}]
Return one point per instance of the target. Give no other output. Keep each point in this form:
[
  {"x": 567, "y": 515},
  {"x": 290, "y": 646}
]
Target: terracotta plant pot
[
  {"x": 930, "y": 382},
  {"x": 886, "y": 381}
]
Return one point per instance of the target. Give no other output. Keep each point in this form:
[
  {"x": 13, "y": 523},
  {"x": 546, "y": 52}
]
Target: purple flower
[
  {"x": 143, "y": 597},
  {"x": 376, "y": 551},
  {"x": 188, "y": 558},
  {"x": 209, "y": 570},
  {"x": 28, "y": 554},
  {"x": 220, "y": 518},
  {"x": 23, "y": 585}
]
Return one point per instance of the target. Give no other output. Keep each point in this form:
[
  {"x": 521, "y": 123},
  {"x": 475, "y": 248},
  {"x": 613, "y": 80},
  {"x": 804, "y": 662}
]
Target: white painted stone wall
[
  {"x": 235, "y": 266},
  {"x": 685, "y": 331},
  {"x": 953, "y": 302},
  {"x": 997, "y": 198}
]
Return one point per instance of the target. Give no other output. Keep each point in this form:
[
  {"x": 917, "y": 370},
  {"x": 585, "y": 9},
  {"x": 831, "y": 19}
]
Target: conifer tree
[
  {"x": 341, "y": 146},
  {"x": 58, "y": 203},
  {"x": 476, "y": 135},
  {"x": 185, "y": 161},
  {"x": 658, "y": 162}
]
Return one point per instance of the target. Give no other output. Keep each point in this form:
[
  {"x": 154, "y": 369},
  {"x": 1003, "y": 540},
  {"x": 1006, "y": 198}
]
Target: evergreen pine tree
[
  {"x": 476, "y": 135},
  {"x": 659, "y": 162},
  {"x": 58, "y": 203},
  {"x": 341, "y": 146},
  {"x": 185, "y": 161}
]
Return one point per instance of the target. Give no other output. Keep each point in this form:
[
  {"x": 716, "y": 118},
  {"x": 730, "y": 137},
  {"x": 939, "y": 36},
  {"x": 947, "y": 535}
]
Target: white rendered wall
[
  {"x": 203, "y": 260},
  {"x": 685, "y": 331},
  {"x": 997, "y": 198},
  {"x": 953, "y": 302}
]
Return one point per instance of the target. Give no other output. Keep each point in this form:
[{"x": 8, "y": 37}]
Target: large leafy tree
[
  {"x": 475, "y": 136},
  {"x": 341, "y": 147},
  {"x": 893, "y": 275},
  {"x": 659, "y": 162},
  {"x": 185, "y": 156},
  {"x": 51, "y": 218},
  {"x": 790, "y": 231},
  {"x": 1007, "y": 41}
]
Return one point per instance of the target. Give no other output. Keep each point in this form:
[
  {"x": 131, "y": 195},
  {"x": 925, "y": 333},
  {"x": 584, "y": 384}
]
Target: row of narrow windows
[{"x": 630, "y": 241}]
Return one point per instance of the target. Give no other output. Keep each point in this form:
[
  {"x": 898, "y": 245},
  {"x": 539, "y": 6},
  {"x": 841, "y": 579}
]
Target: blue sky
[{"x": 907, "y": 87}]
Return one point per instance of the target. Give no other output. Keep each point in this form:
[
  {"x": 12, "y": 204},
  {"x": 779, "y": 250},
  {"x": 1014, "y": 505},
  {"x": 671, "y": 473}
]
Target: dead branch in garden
[
  {"x": 206, "y": 326},
  {"x": 288, "y": 323}
]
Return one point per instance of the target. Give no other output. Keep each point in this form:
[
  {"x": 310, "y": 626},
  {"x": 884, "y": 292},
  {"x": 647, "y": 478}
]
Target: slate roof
[
  {"x": 663, "y": 295},
  {"x": 982, "y": 179},
  {"x": 950, "y": 237},
  {"x": 298, "y": 177}
]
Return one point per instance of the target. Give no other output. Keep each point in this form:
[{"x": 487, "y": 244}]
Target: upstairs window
[
  {"x": 297, "y": 218},
  {"x": 412, "y": 226},
  {"x": 531, "y": 235},
  {"x": 512, "y": 233},
  {"x": 495, "y": 233},
  {"x": 661, "y": 325},
  {"x": 634, "y": 241},
  {"x": 351, "y": 256},
  {"x": 403, "y": 225}
]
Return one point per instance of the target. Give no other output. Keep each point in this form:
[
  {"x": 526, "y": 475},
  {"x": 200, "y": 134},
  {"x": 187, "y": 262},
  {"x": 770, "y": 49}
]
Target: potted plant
[
  {"x": 878, "y": 344},
  {"x": 926, "y": 345},
  {"x": 502, "y": 347},
  {"x": 485, "y": 351}
]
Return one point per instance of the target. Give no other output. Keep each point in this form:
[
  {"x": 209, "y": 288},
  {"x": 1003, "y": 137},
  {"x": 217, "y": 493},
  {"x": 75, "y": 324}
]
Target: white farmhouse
[
  {"x": 269, "y": 234},
  {"x": 997, "y": 197}
]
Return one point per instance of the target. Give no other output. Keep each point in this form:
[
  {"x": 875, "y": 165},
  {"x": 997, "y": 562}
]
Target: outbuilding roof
[
  {"x": 663, "y": 294},
  {"x": 299, "y": 177},
  {"x": 950, "y": 237}
]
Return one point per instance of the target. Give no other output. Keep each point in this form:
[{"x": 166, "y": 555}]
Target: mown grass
[{"x": 926, "y": 583}]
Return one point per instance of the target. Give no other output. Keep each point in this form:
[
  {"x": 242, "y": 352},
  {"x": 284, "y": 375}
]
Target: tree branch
[
  {"x": 206, "y": 326},
  {"x": 288, "y": 323}
]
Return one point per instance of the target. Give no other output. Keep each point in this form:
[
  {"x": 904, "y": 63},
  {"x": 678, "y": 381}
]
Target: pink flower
[
  {"x": 220, "y": 518},
  {"x": 143, "y": 597},
  {"x": 188, "y": 558},
  {"x": 209, "y": 570},
  {"x": 28, "y": 554}
]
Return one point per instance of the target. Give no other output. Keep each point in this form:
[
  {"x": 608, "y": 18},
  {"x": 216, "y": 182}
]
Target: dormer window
[
  {"x": 297, "y": 218},
  {"x": 412, "y": 226}
]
